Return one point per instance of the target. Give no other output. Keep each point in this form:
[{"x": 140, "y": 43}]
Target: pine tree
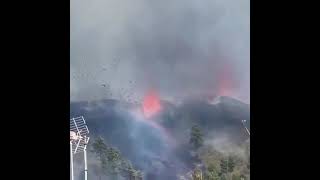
[
  {"x": 124, "y": 168},
  {"x": 242, "y": 177},
  {"x": 196, "y": 137},
  {"x": 212, "y": 173},
  {"x": 100, "y": 149},
  {"x": 223, "y": 177},
  {"x": 236, "y": 177},
  {"x": 131, "y": 173},
  {"x": 114, "y": 161},
  {"x": 224, "y": 166},
  {"x": 197, "y": 174},
  {"x": 231, "y": 163},
  {"x": 139, "y": 175}
]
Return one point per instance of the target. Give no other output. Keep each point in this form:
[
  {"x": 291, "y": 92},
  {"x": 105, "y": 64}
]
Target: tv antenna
[{"x": 78, "y": 142}]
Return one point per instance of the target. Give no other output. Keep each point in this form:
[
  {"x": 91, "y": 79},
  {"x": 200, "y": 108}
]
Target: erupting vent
[{"x": 151, "y": 104}]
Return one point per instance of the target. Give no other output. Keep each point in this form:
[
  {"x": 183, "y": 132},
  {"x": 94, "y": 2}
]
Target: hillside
[{"x": 157, "y": 146}]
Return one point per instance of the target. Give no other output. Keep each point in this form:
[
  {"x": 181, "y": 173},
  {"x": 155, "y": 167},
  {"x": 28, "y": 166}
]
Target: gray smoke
[{"x": 121, "y": 48}]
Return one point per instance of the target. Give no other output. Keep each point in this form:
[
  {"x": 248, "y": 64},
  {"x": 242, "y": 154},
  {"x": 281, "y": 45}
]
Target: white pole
[
  {"x": 247, "y": 131},
  {"x": 71, "y": 159},
  {"x": 245, "y": 127},
  {"x": 85, "y": 164}
]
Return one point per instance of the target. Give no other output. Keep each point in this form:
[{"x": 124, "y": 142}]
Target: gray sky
[{"x": 178, "y": 47}]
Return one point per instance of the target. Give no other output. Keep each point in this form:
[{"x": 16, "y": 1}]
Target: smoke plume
[{"x": 120, "y": 49}]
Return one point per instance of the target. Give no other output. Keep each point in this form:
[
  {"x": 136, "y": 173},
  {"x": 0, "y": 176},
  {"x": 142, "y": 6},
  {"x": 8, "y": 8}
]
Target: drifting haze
[{"x": 122, "y": 48}]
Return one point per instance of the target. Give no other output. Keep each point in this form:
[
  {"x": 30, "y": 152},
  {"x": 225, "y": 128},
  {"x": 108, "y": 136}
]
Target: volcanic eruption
[
  {"x": 226, "y": 81},
  {"x": 151, "y": 104}
]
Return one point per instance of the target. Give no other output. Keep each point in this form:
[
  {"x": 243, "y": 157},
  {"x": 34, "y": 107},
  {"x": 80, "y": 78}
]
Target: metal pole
[
  {"x": 245, "y": 127},
  {"x": 247, "y": 131},
  {"x": 85, "y": 164},
  {"x": 71, "y": 159}
]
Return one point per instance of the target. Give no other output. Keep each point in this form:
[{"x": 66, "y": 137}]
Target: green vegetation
[
  {"x": 100, "y": 149},
  {"x": 224, "y": 167},
  {"x": 196, "y": 137},
  {"x": 212, "y": 173},
  {"x": 220, "y": 165},
  {"x": 111, "y": 163},
  {"x": 214, "y": 164},
  {"x": 197, "y": 174}
]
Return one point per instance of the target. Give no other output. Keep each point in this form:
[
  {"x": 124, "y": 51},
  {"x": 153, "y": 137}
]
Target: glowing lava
[
  {"x": 225, "y": 82},
  {"x": 151, "y": 104}
]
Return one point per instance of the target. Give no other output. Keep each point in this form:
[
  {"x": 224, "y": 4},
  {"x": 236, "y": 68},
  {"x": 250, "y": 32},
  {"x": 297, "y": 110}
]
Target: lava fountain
[
  {"x": 150, "y": 107},
  {"x": 151, "y": 104},
  {"x": 226, "y": 82}
]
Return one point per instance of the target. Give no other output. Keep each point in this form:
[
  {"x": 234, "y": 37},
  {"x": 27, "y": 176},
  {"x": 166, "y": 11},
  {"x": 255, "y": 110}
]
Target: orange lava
[
  {"x": 225, "y": 82},
  {"x": 151, "y": 104}
]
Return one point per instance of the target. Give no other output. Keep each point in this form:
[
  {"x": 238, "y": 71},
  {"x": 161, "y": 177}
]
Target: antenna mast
[{"x": 79, "y": 138}]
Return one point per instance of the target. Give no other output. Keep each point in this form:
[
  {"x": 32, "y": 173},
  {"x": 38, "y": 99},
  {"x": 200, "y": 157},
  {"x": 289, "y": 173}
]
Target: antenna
[{"x": 79, "y": 138}]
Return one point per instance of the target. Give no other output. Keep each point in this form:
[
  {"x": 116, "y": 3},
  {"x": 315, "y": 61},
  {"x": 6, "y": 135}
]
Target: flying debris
[{"x": 105, "y": 85}]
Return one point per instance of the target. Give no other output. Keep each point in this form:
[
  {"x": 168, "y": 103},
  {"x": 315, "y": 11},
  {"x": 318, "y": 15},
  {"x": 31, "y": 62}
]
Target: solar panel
[{"x": 78, "y": 134}]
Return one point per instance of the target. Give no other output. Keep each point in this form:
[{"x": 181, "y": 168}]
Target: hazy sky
[{"x": 122, "y": 48}]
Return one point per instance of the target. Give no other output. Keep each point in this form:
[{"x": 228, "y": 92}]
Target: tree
[
  {"x": 131, "y": 173},
  {"x": 231, "y": 163},
  {"x": 212, "y": 173},
  {"x": 100, "y": 149},
  {"x": 236, "y": 177},
  {"x": 242, "y": 177},
  {"x": 139, "y": 175},
  {"x": 114, "y": 161},
  {"x": 196, "y": 137},
  {"x": 224, "y": 166},
  {"x": 113, "y": 156},
  {"x": 197, "y": 174},
  {"x": 227, "y": 164},
  {"x": 223, "y": 177},
  {"x": 125, "y": 167}
]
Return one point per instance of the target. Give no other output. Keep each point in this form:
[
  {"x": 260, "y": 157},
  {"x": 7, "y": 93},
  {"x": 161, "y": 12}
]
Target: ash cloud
[{"x": 120, "y": 49}]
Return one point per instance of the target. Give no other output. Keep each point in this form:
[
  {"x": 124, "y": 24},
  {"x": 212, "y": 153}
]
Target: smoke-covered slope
[
  {"x": 148, "y": 146},
  {"x": 224, "y": 115}
]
